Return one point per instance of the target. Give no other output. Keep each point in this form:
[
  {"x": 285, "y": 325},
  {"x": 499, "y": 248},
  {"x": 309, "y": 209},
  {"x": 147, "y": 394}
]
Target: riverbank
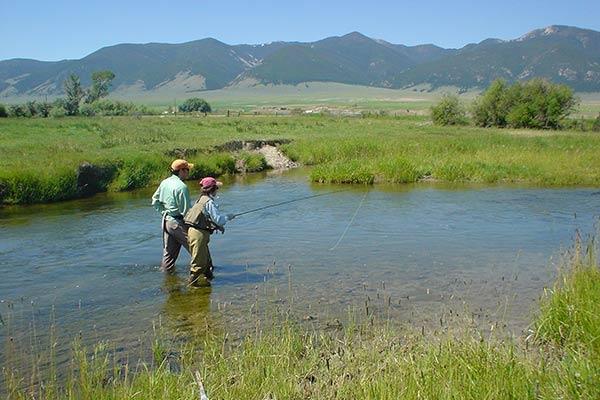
[
  {"x": 560, "y": 358},
  {"x": 42, "y": 159}
]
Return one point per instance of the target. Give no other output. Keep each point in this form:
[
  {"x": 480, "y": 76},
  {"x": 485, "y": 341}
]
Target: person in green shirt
[{"x": 172, "y": 200}]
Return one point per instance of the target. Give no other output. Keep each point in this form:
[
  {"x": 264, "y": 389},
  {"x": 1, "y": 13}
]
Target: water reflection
[{"x": 186, "y": 310}]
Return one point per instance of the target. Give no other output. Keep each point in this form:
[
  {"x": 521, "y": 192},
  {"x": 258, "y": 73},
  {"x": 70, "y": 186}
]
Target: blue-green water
[{"x": 90, "y": 267}]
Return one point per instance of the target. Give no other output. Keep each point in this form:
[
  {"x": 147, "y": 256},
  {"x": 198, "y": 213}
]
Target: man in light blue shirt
[{"x": 172, "y": 200}]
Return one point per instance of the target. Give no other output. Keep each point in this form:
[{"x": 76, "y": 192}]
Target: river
[{"x": 413, "y": 254}]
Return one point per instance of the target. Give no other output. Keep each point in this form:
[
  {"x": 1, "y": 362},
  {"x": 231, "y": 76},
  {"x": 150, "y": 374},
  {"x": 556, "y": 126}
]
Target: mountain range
[{"x": 559, "y": 53}]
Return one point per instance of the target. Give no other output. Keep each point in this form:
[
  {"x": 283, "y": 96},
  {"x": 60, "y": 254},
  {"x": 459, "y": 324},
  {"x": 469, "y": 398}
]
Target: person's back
[{"x": 172, "y": 200}]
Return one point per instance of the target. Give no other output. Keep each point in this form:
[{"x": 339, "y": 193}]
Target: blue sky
[{"x": 59, "y": 29}]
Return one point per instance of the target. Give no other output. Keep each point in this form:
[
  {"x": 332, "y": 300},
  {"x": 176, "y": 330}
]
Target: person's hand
[{"x": 230, "y": 216}]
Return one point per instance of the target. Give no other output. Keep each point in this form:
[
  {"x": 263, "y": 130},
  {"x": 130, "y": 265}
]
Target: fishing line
[
  {"x": 350, "y": 223},
  {"x": 289, "y": 201}
]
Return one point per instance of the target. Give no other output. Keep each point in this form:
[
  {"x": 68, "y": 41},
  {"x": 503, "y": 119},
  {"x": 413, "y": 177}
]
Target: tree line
[
  {"x": 536, "y": 104},
  {"x": 91, "y": 101}
]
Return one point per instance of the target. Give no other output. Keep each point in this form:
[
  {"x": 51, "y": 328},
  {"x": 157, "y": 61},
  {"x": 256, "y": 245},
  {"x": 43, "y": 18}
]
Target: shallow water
[{"x": 414, "y": 254}]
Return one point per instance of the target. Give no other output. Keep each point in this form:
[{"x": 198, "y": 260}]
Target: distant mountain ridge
[{"x": 559, "y": 53}]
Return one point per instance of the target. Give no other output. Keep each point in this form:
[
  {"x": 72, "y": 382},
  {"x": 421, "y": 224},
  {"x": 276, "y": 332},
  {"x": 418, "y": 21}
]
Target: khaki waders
[{"x": 201, "y": 264}]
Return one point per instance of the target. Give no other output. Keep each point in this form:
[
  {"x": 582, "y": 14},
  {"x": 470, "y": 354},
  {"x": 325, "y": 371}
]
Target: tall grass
[
  {"x": 40, "y": 157},
  {"x": 363, "y": 360}
]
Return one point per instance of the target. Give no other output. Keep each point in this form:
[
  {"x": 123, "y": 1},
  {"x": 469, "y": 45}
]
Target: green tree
[
  {"x": 101, "y": 81},
  {"x": 540, "y": 104},
  {"x": 74, "y": 93},
  {"x": 492, "y": 107},
  {"x": 195, "y": 104},
  {"x": 448, "y": 111},
  {"x": 3, "y": 112}
]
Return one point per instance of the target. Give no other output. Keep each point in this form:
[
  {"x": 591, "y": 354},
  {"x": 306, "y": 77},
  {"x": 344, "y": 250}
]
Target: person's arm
[
  {"x": 156, "y": 203},
  {"x": 212, "y": 210}
]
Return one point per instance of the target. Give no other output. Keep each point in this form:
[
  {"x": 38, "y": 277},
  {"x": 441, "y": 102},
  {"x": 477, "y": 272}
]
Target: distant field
[
  {"x": 313, "y": 94},
  {"x": 261, "y": 98},
  {"x": 304, "y": 95},
  {"x": 41, "y": 156}
]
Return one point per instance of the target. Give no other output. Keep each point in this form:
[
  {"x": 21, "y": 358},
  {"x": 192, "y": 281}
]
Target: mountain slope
[
  {"x": 559, "y": 53},
  {"x": 352, "y": 58}
]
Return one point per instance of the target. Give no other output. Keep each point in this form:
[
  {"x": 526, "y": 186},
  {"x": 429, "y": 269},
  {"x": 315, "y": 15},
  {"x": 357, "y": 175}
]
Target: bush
[
  {"x": 492, "y": 107},
  {"x": 448, "y": 111},
  {"x": 110, "y": 108},
  {"x": 18, "y": 110},
  {"x": 58, "y": 111},
  {"x": 195, "y": 104},
  {"x": 3, "y": 112},
  {"x": 534, "y": 104},
  {"x": 43, "y": 109},
  {"x": 596, "y": 125},
  {"x": 87, "y": 110}
]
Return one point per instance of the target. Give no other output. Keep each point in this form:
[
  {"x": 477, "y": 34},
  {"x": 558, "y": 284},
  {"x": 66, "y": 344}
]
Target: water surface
[{"x": 411, "y": 253}]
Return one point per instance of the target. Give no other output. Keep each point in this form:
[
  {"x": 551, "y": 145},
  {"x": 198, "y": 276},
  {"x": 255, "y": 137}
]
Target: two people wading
[{"x": 188, "y": 225}]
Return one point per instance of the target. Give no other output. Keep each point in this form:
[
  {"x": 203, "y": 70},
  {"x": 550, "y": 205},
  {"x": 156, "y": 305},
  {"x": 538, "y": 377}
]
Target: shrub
[
  {"x": 43, "y": 109},
  {"x": 448, "y": 111},
  {"x": 110, "y": 108},
  {"x": 18, "y": 110},
  {"x": 3, "y": 112},
  {"x": 87, "y": 110},
  {"x": 492, "y": 107},
  {"x": 595, "y": 126},
  {"x": 195, "y": 104},
  {"x": 253, "y": 162},
  {"x": 534, "y": 104},
  {"x": 58, "y": 111}
]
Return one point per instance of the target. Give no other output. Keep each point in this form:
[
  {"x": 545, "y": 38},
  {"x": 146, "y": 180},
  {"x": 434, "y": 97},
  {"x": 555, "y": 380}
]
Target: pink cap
[{"x": 209, "y": 182}]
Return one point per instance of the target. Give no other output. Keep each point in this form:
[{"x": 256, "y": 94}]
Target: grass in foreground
[
  {"x": 363, "y": 361},
  {"x": 40, "y": 158}
]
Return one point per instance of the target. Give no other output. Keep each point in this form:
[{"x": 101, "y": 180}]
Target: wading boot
[
  {"x": 198, "y": 281},
  {"x": 209, "y": 273}
]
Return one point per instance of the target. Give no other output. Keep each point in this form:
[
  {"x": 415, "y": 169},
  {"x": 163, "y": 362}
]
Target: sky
[{"x": 61, "y": 29}]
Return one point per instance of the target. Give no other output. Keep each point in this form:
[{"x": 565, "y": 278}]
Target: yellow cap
[{"x": 181, "y": 164}]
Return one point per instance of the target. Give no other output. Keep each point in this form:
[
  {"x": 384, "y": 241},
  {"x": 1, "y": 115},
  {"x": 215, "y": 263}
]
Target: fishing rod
[{"x": 289, "y": 201}]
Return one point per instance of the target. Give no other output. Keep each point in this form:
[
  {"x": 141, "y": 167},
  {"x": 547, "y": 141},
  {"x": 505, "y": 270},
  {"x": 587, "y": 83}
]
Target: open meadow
[{"x": 41, "y": 157}]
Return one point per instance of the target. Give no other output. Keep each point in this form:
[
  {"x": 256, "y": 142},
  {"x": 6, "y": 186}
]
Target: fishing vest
[{"x": 196, "y": 218}]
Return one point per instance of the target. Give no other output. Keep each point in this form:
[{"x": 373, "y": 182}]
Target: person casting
[{"x": 202, "y": 220}]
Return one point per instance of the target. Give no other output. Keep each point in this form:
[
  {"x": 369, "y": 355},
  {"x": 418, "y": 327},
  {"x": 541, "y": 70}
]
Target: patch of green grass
[
  {"x": 569, "y": 312},
  {"x": 253, "y": 162},
  {"x": 40, "y": 156}
]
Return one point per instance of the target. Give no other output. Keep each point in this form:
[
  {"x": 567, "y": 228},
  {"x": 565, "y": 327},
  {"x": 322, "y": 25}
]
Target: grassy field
[
  {"x": 40, "y": 157},
  {"x": 559, "y": 359}
]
